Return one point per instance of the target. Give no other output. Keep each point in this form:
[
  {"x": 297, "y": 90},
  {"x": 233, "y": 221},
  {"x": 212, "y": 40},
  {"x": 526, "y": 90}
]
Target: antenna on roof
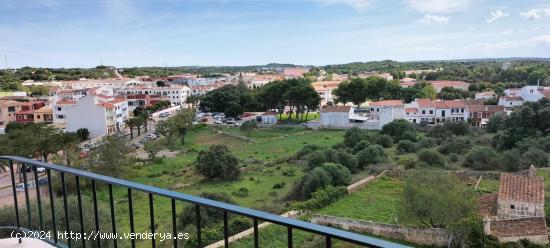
[
  {"x": 6, "y": 60},
  {"x": 100, "y": 61}
]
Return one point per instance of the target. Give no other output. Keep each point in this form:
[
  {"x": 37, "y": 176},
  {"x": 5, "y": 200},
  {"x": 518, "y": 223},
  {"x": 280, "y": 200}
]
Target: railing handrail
[{"x": 256, "y": 214}]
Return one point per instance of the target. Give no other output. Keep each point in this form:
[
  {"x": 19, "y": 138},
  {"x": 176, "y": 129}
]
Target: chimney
[{"x": 532, "y": 171}]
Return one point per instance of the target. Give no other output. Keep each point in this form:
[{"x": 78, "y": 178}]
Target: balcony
[{"x": 77, "y": 185}]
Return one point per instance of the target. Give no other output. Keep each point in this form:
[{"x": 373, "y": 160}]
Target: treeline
[
  {"x": 233, "y": 100},
  {"x": 201, "y": 70}
]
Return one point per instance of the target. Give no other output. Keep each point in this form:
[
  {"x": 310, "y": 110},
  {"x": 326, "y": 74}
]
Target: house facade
[
  {"x": 100, "y": 116},
  {"x": 177, "y": 94},
  {"x": 336, "y": 117},
  {"x": 479, "y": 115}
]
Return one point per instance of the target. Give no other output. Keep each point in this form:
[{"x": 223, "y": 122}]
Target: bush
[
  {"x": 450, "y": 128},
  {"x": 340, "y": 175},
  {"x": 354, "y": 136},
  {"x": 316, "y": 159},
  {"x": 457, "y": 145},
  {"x": 279, "y": 185},
  {"x": 511, "y": 160},
  {"x": 384, "y": 140},
  {"x": 306, "y": 150},
  {"x": 218, "y": 163},
  {"x": 427, "y": 142},
  {"x": 347, "y": 160},
  {"x": 373, "y": 154},
  {"x": 317, "y": 178},
  {"x": 453, "y": 157},
  {"x": 399, "y": 129},
  {"x": 407, "y": 162},
  {"x": 360, "y": 146},
  {"x": 322, "y": 197},
  {"x": 481, "y": 158},
  {"x": 406, "y": 146},
  {"x": 409, "y": 135},
  {"x": 242, "y": 192},
  {"x": 496, "y": 122},
  {"x": 534, "y": 156},
  {"x": 431, "y": 158}
]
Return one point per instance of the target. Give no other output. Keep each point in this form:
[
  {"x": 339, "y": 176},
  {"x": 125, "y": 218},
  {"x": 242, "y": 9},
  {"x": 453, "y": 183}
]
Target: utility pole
[
  {"x": 100, "y": 61},
  {"x": 6, "y": 60}
]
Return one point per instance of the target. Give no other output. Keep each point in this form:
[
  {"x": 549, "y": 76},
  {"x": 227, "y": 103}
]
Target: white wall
[
  {"x": 335, "y": 120},
  {"x": 86, "y": 114}
]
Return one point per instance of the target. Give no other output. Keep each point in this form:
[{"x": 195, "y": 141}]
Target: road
[{"x": 6, "y": 190}]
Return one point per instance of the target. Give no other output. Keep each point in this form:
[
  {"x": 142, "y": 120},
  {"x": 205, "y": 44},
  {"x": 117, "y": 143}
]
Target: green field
[{"x": 263, "y": 160}]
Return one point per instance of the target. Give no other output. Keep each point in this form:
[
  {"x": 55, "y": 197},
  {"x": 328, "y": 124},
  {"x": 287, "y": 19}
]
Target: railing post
[
  {"x": 198, "y": 213},
  {"x": 96, "y": 215},
  {"x": 38, "y": 198},
  {"x": 152, "y": 216},
  {"x": 256, "y": 237},
  {"x": 225, "y": 229},
  {"x": 131, "y": 213},
  {"x": 289, "y": 236},
  {"x": 174, "y": 223},
  {"x": 27, "y": 201},
  {"x": 79, "y": 198},
  {"x": 52, "y": 206},
  {"x": 15, "y": 205},
  {"x": 329, "y": 241},
  {"x": 66, "y": 208},
  {"x": 113, "y": 220}
]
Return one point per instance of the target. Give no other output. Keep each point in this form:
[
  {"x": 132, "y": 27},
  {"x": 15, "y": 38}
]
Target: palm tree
[
  {"x": 145, "y": 118},
  {"x": 45, "y": 141},
  {"x": 68, "y": 142},
  {"x": 192, "y": 100},
  {"x": 131, "y": 123}
]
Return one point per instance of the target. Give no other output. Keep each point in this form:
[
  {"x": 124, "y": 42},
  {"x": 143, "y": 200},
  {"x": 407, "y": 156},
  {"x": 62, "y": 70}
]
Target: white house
[
  {"x": 336, "y": 116},
  {"x": 486, "y": 95},
  {"x": 177, "y": 94},
  {"x": 384, "y": 112},
  {"x": 424, "y": 111},
  {"x": 452, "y": 110},
  {"x": 101, "y": 116},
  {"x": 60, "y": 111},
  {"x": 510, "y": 101}
]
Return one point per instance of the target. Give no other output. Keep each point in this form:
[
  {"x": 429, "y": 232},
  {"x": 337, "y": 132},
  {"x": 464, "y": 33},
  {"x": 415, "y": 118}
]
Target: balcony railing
[{"x": 329, "y": 234}]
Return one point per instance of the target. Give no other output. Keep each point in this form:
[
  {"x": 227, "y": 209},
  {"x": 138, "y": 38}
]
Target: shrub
[
  {"x": 348, "y": 160},
  {"x": 457, "y": 145},
  {"x": 427, "y": 142},
  {"x": 534, "y": 156},
  {"x": 406, "y": 146},
  {"x": 496, "y": 122},
  {"x": 354, "y": 136},
  {"x": 289, "y": 172},
  {"x": 242, "y": 192},
  {"x": 218, "y": 162},
  {"x": 315, "y": 179},
  {"x": 384, "y": 140},
  {"x": 360, "y": 146},
  {"x": 340, "y": 175},
  {"x": 399, "y": 129},
  {"x": 279, "y": 185},
  {"x": 431, "y": 158},
  {"x": 453, "y": 157},
  {"x": 409, "y": 135},
  {"x": 407, "y": 162},
  {"x": 322, "y": 197},
  {"x": 306, "y": 150},
  {"x": 481, "y": 158},
  {"x": 373, "y": 154},
  {"x": 316, "y": 159},
  {"x": 511, "y": 160}
]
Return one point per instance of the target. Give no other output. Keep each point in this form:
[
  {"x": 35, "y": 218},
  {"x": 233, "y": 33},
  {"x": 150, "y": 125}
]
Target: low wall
[
  {"x": 364, "y": 182},
  {"x": 421, "y": 236},
  {"x": 463, "y": 174}
]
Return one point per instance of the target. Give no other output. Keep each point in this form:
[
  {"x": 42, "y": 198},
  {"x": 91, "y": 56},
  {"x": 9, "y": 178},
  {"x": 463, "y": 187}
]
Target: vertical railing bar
[
  {"x": 38, "y": 198},
  {"x": 289, "y": 236},
  {"x": 27, "y": 201},
  {"x": 152, "y": 218},
  {"x": 256, "y": 237},
  {"x": 79, "y": 199},
  {"x": 329, "y": 241},
  {"x": 66, "y": 209},
  {"x": 225, "y": 229},
  {"x": 113, "y": 221},
  {"x": 52, "y": 206},
  {"x": 174, "y": 224},
  {"x": 14, "y": 194},
  {"x": 96, "y": 215},
  {"x": 198, "y": 214},
  {"x": 131, "y": 212}
]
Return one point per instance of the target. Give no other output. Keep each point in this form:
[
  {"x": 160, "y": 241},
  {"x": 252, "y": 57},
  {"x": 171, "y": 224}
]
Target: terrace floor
[{"x": 30, "y": 243}]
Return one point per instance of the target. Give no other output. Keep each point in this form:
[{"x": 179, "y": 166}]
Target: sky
[{"x": 128, "y": 33}]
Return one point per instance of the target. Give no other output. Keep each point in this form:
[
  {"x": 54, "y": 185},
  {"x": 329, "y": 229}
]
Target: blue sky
[{"x": 80, "y": 33}]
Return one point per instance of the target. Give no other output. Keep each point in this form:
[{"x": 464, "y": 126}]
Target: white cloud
[
  {"x": 537, "y": 41},
  {"x": 434, "y": 19},
  {"x": 534, "y": 14},
  {"x": 495, "y": 15},
  {"x": 438, "y": 6},
  {"x": 356, "y": 4}
]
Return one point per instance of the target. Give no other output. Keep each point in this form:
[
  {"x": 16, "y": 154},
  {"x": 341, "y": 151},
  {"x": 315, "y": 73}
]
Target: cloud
[
  {"x": 537, "y": 41},
  {"x": 495, "y": 15},
  {"x": 438, "y": 6},
  {"x": 434, "y": 19},
  {"x": 359, "y": 5},
  {"x": 535, "y": 14}
]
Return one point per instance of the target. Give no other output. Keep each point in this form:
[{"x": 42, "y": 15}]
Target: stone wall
[
  {"x": 520, "y": 210},
  {"x": 422, "y": 236},
  {"x": 463, "y": 174}
]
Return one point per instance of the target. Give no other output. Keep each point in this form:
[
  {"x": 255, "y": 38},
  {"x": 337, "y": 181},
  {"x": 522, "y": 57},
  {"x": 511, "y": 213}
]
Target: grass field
[
  {"x": 376, "y": 202},
  {"x": 269, "y": 146}
]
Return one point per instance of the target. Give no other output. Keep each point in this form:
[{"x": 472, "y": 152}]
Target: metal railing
[{"x": 327, "y": 232}]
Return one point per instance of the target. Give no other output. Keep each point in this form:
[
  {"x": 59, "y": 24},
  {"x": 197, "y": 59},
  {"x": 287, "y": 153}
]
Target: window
[
  {"x": 60, "y": 117},
  {"x": 431, "y": 112},
  {"x": 58, "y": 108},
  {"x": 11, "y": 109},
  {"x": 462, "y": 110},
  {"x": 38, "y": 117},
  {"x": 423, "y": 112},
  {"x": 512, "y": 207}
]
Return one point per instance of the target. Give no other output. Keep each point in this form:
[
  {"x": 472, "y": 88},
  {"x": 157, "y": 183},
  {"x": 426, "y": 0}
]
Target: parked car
[
  {"x": 218, "y": 122},
  {"x": 21, "y": 186},
  {"x": 40, "y": 169},
  {"x": 133, "y": 146},
  {"x": 163, "y": 115},
  {"x": 200, "y": 115},
  {"x": 231, "y": 122},
  {"x": 43, "y": 181},
  {"x": 151, "y": 136}
]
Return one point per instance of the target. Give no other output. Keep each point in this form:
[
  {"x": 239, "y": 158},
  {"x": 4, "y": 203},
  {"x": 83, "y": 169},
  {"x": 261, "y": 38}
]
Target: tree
[
  {"x": 376, "y": 86},
  {"x": 354, "y": 91},
  {"x": 406, "y": 146},
  {"x": 495, "y": 122},
  {"x": 398, "y": 129},
  {"x": 481, "y": 158},
  {"x": 45, "y": 141},
  {"x": 131, "y": 123},
  {"x": 160, "y": 83},
  {"x": 429, "y": 92},
  {"x": 431, "y": 158},
  {"x": 248, "y": 126},
  {"x": 373, "y": 154},
  {"x": 110, "y": 157},
  {"x": 341, "y": 176},
  {"x": 353, "y": 136},
  {"x": 83, "y": 134},
  {"x": 435, "y": 199},
  {"x": 68, "y": 141},
  {"x": 315, "y": 179},
  {"x": 152, "y": 148},
  {"x": 450, "y": 93},
  {"x": 536, "y": 157},
  {"x": 218, "y": 163},
  {"x": 193, "y": 100}
]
